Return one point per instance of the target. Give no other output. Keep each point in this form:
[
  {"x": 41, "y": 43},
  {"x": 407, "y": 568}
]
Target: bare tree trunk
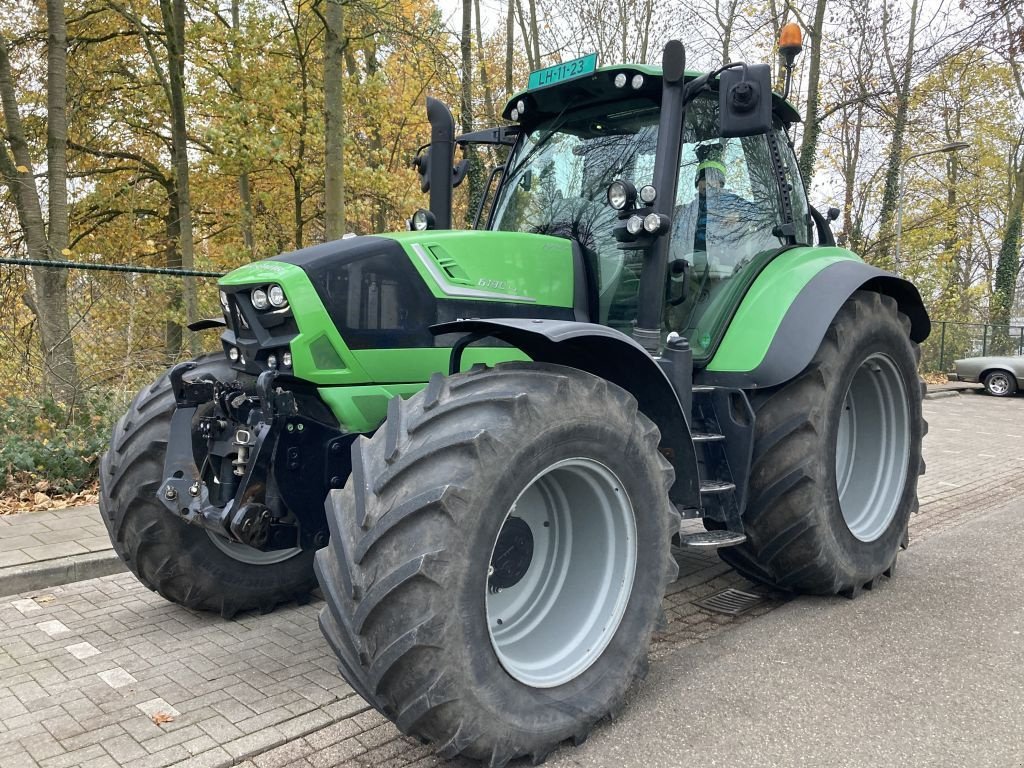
[
  {"x": 244, "y": 191},
  {"x": 809, "y": 145},
  {"x": 534, "y": 33},
  {"x": 894, "y": 163},
  {"x": 484, "y": 80},
  {"x": 849, "y": 237},
  {"x": 1008, "y": 265},
  {"x": 466, "y": 105},
  {"x": 334, "y": 178},
  {"x": 534, "y": 62},
  {"x": 173, "y": 13},
  {"x": 509, "y": 43},
  {"x": 173, "y": 329},
  {"x": 646, "y": 36},
  {"x": 49, "y": 304}
]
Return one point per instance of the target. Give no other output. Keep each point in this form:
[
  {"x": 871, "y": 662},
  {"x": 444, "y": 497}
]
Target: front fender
[
  {"x": 615, "y": 357},
  {"x": 783, "y": 317}
]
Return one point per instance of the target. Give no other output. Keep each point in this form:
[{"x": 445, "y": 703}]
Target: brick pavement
[
  {"x": 86, "y": 668},
  {"x": 33, "y": 537}
]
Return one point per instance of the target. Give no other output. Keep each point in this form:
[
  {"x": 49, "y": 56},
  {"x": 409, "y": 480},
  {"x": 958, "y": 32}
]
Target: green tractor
[{"x": 650, "y": 324}]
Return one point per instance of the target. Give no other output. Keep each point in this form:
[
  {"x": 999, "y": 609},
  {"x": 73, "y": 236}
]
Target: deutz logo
[{"x": 501, "y": 285}]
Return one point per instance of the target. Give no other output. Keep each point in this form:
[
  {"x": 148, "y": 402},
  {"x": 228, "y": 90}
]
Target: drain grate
[{"x": 730, "y": 601}]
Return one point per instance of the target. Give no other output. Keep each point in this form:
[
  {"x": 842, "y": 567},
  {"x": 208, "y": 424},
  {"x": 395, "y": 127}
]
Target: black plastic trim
[
  {"x": 615, "y": 357},
  {"x": 809, "y": 316}
]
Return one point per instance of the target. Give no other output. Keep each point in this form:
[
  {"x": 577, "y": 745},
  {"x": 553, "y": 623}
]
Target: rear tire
[
  {"x": 1000, "y": 384},
  {"x": 181, "y": 562},
  {"x": 837, "y": 454},
  {"x": 422, "y": 537}
]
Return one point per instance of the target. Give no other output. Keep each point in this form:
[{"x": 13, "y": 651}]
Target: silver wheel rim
[
  {"x": 243, "y": 553},
  {"x": 558, "y": 617},
  {"x": 998, "y": 384},
  {"x": 873, "y": 447}
]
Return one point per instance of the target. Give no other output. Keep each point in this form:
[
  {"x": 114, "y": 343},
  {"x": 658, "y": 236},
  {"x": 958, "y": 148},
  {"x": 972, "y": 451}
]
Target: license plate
[{"x": 559, "y": 73}]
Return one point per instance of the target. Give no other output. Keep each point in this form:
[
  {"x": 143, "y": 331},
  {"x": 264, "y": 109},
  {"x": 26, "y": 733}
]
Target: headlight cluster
[{"x": 264, "y": 298}]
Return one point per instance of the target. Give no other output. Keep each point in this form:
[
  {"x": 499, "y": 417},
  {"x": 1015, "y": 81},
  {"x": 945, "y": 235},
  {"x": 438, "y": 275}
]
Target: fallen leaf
[
  {"x": 162, "y": 717},
  {"x": 66, "y": 252},
  {"x": 42, "y": 500},
  {"x": 43, "y": 486},
  {"x": 22, "y": 169},
  {"x": 44, "y": 599}
]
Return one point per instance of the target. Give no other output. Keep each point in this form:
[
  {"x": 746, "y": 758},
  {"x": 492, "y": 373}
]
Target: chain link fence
[
  {"x": 951, "y": 341},
  {"x": 126, "y": 328}
]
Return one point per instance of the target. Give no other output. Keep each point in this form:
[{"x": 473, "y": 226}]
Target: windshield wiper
[{"x": 556, "y": 124}]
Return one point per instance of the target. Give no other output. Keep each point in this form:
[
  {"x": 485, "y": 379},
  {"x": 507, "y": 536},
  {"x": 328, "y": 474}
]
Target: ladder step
[
  {"x": 715, "y": 486},
  {"x": 707, "y": 437},
  {"x": 703, "y": 388},
  {"x": 712, "y": 539}
]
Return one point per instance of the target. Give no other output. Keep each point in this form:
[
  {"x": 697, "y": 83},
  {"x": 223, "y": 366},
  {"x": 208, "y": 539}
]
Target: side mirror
[
  {"x": 832, "y": 214},
  {"x": 745, "y": 101}
]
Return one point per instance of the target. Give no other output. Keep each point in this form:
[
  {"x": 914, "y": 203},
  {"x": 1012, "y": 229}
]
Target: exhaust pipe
[{"x": 442, "y": 156}]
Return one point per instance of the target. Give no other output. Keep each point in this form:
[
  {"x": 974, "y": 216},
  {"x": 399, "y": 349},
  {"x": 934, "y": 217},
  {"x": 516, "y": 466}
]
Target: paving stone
[
  {"x": 254, "y": 743},
  {"x": 158, "y": 706},
  {"x": 53, "y": 628},
  {"x": 18, "y": 759},
  {"x": 124, "y": 749},
  {"x": 336, "y": 754},
  {"x": 116, "y": 677},
  {"x": 82, "y": 650},
  {"x": 27, "y": 605},
  {"x": 213, "y": 758}
]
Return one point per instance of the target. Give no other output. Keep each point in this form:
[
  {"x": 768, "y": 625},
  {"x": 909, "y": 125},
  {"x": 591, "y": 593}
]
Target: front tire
[
  {"x": 184, "y": 564},
  {"x": 452, "y": 607},
  {"x": 1000, "y": 384},
  {"x": 837, "y": 454}
]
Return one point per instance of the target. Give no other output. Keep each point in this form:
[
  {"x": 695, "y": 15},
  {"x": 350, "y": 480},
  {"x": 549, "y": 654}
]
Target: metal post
[
  {"x": 942, "y": 348},
  {"x": 899, "y": 218},
  {"x": 984, "y": 341},
  {"x": 651, "y": 296}
]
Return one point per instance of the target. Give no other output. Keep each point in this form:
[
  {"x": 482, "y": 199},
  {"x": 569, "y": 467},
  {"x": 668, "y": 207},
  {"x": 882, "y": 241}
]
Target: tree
[
  {"x": 48, "y": 298},
  {"x": 900, "y": 74},
  {"x": 334, "y": 122}
]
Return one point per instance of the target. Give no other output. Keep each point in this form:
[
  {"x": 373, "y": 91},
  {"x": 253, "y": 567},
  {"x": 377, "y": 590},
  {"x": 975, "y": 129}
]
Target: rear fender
[
  {"x": 614, "y": 357},
  {"x": 750, "y": 358}
]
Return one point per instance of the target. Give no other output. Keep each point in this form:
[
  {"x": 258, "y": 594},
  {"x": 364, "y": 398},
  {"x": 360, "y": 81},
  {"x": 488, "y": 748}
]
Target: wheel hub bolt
[
  {"x": 194, "y": 489},
  {"x": 170, "y": 494}
]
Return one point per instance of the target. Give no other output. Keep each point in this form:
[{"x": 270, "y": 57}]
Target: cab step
[
  {"x": 712, "y": 539},
  {"x": 716, "y": 486}
]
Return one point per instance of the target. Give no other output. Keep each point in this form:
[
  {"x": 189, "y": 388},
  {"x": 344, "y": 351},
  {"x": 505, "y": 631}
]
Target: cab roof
[{"x": 599, "y": 86}]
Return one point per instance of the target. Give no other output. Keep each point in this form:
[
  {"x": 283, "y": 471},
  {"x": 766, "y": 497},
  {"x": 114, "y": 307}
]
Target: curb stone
[
  {"x": 941, "y": 393},
  {"x": 62, "y": 570}
]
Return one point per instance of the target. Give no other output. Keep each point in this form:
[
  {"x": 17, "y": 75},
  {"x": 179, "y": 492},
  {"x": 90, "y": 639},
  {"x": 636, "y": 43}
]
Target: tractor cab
[{"x": 583, "y": 164}]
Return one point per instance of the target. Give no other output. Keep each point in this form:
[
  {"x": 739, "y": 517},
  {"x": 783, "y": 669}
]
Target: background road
[{"x": 925, "y": 670}]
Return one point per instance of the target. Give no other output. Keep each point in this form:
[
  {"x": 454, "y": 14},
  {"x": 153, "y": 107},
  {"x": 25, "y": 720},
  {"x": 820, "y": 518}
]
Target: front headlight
[{"x": 275, "y": 294}]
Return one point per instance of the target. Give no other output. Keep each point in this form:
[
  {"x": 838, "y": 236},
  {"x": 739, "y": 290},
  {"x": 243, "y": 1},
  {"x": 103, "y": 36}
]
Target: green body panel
[
  {"x": 509, "y": 266},
  {"x": 312, "y": 360},
  {"x": 362, "y": 408},
  {"x": 412, "y": 365},
  {"x": 766, "y": 302},
  {"x": 356, "y": 385}
]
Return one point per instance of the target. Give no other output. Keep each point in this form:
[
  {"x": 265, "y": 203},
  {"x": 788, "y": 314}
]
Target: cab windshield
[{"x": 726, "y": 213}]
